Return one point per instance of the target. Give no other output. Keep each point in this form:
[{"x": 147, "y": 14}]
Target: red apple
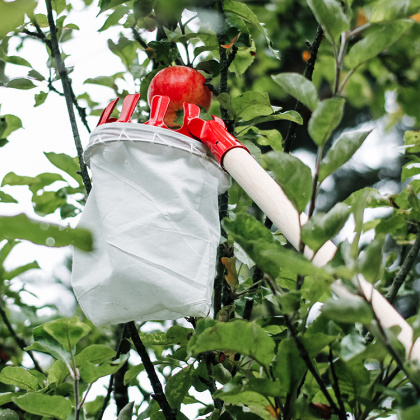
[{"x": 181, "y": 84}]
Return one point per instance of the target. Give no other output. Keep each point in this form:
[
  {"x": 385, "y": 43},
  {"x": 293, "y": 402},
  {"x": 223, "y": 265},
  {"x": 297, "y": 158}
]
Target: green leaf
[
  {"x": 13, "y": 123},
  {"x": 287, "y": 115},
  {"x": 349, "y": 310},
  {"x": 6, "y": 249},
  {"x": 47, "y": 202},
  {"x": 9, "y": 275},
  {"x": 272, "y": 138},
  {"x": 243, "y": 11},
  {"x": 66, "y": 163},
  {"x": 373, "y": 199},
  {"x": 299, "y": 87},
  {"x": 8, "y": 414},
  {"x": 44, "y": 405},
  {"x": 341, "y": 151},
  {"x": 91, "y": 373},
  {"x": 68, "y": 332},
  {"x": 36, "y": 75},
  {"x": 221, "y": 374},
  {"x": 19, "y": 61},
  {"x": 251, "y": 104},
  {"x": 244, "y": 57},
  {"x": 352, "y": 345},
  {"x": 253, "y": 237},
  {"x": 324, "y": 226},
  {"x": 269, "y": 255},
  {"x": 236, "y": 394},
  {"x": 290, "y": 263},
  {"x": 179, "y": 335},
  {"x": 114, "y": 17},
  {"x": 20, "y": 83},
  {"x": 34, "y": 183},
  {"x": 132, "y": 373},
  {"x": 127, "y": 412},
  {"x": 293, "y": 176},
  {"x": 125, "y": 49},
  {"x": 315, "y": 343},
  {"x": 325, "y": 119},
  {"x": 289, "y": 367},
  {"x": 95, "y": 353},
  {"x": 109, "y": 4},
  {"x": 237, "y": 336},
  {"x": 378, "y": 38},
  {"x": 6, "y": 198},
  {"x": 412, "y": 141},
  {"x": 58, "y": 372},
  {"x": 331, "y": 16},
  {"x": 40, "y": 98},
  {"x": 410, "y": 169},
  {"x": 43, "y": 233},
  {"x": 107, "y": 81},
  {"x": 386, "y": 10},
  {"x": 154, "y": 339},
  {"x": 92, "y": 407},
  {"x": 12, "y": 14},
  {"x": 18, "y": 377},
  {"x": 178, "y": 386},
  {"x": 6, "y": 397},
  {"x": 370, "y": 262}
]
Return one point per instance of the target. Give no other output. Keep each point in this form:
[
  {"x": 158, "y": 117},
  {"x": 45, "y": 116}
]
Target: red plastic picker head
[{"x": 215, "y": 137}]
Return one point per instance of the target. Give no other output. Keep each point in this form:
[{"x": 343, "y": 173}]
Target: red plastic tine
[
  {"x": 106, "y": 113},
  {"x": 220, "y": 121},
  {"x": 158, "y": 109},
  {"x": 190, "y": 111},
  {"x": 129, "y": 105}
]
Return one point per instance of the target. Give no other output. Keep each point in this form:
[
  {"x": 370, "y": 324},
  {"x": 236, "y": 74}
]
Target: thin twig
[
  {"x": 335, "y": 386},
  {"x": 394, "y": 354},
  {"x": 68, "y": 95},
  {"x": 41, "y": 36},
  {"x": 123, "y": 339},
  {"x": 305, "y": 357},
  {"x": 404, "y": 270},
  {"x": 310, "y": 66},
  {"x": 137, "y": 37},
  {"x": 18, "y": 340},
  {"x": 159, "y": 396}
]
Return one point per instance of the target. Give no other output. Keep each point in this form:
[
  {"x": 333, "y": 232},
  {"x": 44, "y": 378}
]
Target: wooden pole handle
[{"x": 271, "y": 199}]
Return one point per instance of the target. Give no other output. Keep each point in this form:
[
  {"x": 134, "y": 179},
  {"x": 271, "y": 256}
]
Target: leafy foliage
[{"x": 293, "y": 339}]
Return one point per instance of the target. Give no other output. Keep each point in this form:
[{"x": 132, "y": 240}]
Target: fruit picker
[{"x": 165, "y": 98}]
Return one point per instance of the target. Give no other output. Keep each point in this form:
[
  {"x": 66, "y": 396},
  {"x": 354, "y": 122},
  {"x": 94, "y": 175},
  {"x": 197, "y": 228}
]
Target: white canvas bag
[{"x": 153, "y": 211}]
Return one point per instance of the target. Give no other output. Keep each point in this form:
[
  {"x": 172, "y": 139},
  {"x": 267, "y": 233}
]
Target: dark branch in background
[
  {"x": 404, "y": 270},
  {"x": 221, "y": 252},
  {"x": 211, "y": 384},
  {"x": 310, "y": 66},
  {"x": 17, "y": 339},
  {"x": 68, "y": 95},
  {"x": 120, "y": 389},
  {"x": 121, "y": 349},
  {"x": 221, "y": 290},
  {"x": 158, "y": 395},
  {"x": 138, "y": 38}
]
